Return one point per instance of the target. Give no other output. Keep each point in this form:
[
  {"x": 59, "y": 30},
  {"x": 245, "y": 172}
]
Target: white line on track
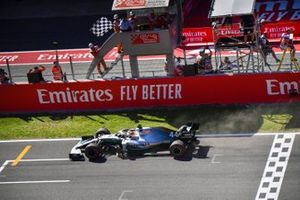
[
  {"x": 45, "y": 160},
  {"x": 275, "y": 168},
  {"x": 33, "y": 160},
  {"x": 242, "y": 135},
  {"x": 123, "y": 194},
  {"x": 4, "y": 165},
  {"x": 199, "y": 136},
  {"x": 32, "y": 182},
  {"x": 213, "y": 160}
]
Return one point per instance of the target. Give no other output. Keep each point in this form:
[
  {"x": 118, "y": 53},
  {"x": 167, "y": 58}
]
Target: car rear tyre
[
  {"x": 92, "y": 151},
  {"x": 177, "y": 148},
  {"x": 102, "y": 131}
]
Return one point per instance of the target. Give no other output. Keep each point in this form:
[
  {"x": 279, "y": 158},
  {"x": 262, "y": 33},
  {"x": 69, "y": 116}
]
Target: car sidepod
[{"x": 151, "y": 140}]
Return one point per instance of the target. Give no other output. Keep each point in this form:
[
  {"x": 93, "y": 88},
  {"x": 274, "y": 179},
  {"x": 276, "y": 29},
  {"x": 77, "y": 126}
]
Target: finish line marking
[
  {"x": 275, "y": 168},
  {"x": 21, "y": 155},
  {"x": 32, "y": 182}
]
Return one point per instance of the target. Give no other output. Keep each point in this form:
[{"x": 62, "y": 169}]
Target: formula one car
[{"x": 137, "y": 141}]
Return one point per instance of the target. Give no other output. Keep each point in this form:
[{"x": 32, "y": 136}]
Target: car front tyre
[{"x": 92, "y": 151}]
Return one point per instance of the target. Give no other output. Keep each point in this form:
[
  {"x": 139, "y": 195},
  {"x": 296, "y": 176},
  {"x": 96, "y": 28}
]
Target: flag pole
[{"x": 55, "y": 44}]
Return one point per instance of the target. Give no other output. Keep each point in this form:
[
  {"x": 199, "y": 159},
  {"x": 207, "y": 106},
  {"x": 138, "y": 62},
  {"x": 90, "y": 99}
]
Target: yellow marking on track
[{"x": 20, "y": 156}]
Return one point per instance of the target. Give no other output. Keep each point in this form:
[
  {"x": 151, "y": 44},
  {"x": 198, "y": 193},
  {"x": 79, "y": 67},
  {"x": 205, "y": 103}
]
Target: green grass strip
[{"x": 212, "y": 119}]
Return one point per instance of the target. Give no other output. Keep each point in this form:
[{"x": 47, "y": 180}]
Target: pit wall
[{"x": 86, "y": 96}]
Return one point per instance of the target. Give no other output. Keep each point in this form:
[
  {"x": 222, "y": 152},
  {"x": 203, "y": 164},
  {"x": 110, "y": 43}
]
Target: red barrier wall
[{"x": 145, "y": 93}]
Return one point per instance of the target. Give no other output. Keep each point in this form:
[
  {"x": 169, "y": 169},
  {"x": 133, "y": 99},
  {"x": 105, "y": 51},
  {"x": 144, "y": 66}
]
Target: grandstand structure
[
  {"x": 220, "y": 29},
  {"x": 223, "y": 25},
  {"x": 235, "y": 28},
  {"x": 229, "y": 26}
]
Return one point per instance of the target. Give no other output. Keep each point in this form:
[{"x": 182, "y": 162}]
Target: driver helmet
[{"x": 131, "y": 132}]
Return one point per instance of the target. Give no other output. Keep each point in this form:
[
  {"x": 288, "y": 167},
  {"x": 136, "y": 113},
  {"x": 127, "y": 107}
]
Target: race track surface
[{"x": 221, "y": 168}]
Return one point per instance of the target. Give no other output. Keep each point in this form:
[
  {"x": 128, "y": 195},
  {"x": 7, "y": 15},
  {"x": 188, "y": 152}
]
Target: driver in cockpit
[
  {"x": 133, "y": 134},
  {"x": 132, "y": 138}
]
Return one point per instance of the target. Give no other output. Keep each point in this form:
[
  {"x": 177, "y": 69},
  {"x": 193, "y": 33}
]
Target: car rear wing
[
  {"x": 193, "y": 126},
  {"x": 188, "y": 129}
]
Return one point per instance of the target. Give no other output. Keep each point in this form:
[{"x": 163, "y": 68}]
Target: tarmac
[{"x": 221, "y": 168}]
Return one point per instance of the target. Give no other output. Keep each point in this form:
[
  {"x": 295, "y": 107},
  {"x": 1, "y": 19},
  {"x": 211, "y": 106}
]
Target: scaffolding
[
  {"x": 248, "y": 55},
  {"x": 236, "y": 29}
]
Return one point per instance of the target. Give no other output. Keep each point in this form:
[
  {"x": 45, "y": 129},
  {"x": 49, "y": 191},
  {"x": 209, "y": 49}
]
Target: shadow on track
[
  {"x": 100, "y": 160},
  {"x": 198, "y": 152}
]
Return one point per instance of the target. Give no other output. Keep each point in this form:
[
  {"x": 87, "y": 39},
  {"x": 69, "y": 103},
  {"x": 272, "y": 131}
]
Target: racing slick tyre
[
  {"x": 177, "y": 148},
  {"x": 92, "y": 151},
  {"x": 102, "y": 131}
]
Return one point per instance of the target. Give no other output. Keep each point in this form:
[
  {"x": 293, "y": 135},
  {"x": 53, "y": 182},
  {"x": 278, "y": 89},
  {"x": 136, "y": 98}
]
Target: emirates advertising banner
[
  {"x": 145, "y": 38},
  {"x": 233, "y": 30},
  {"x": 197, "y": 35},
  {"x": 138, "y": 4},
  {"x": 148, "y": 93},
  {"x": 275, "y": 30},
  {"x": 49, "y": 56}
]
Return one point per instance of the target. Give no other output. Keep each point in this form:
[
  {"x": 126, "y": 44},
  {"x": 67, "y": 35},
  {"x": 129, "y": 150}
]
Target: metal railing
[{"x": 72, "y": 75}]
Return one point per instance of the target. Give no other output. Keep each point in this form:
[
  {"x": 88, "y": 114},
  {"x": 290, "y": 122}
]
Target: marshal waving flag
[{"x": 102, "y": 26}]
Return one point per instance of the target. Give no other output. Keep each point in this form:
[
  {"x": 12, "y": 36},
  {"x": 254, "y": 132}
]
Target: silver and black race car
[{"x": 136, "y": 141}]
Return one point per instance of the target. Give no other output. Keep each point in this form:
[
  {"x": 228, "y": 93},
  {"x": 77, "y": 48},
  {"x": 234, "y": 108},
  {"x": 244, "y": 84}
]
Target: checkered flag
[{"x": 102, "y": 26}]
